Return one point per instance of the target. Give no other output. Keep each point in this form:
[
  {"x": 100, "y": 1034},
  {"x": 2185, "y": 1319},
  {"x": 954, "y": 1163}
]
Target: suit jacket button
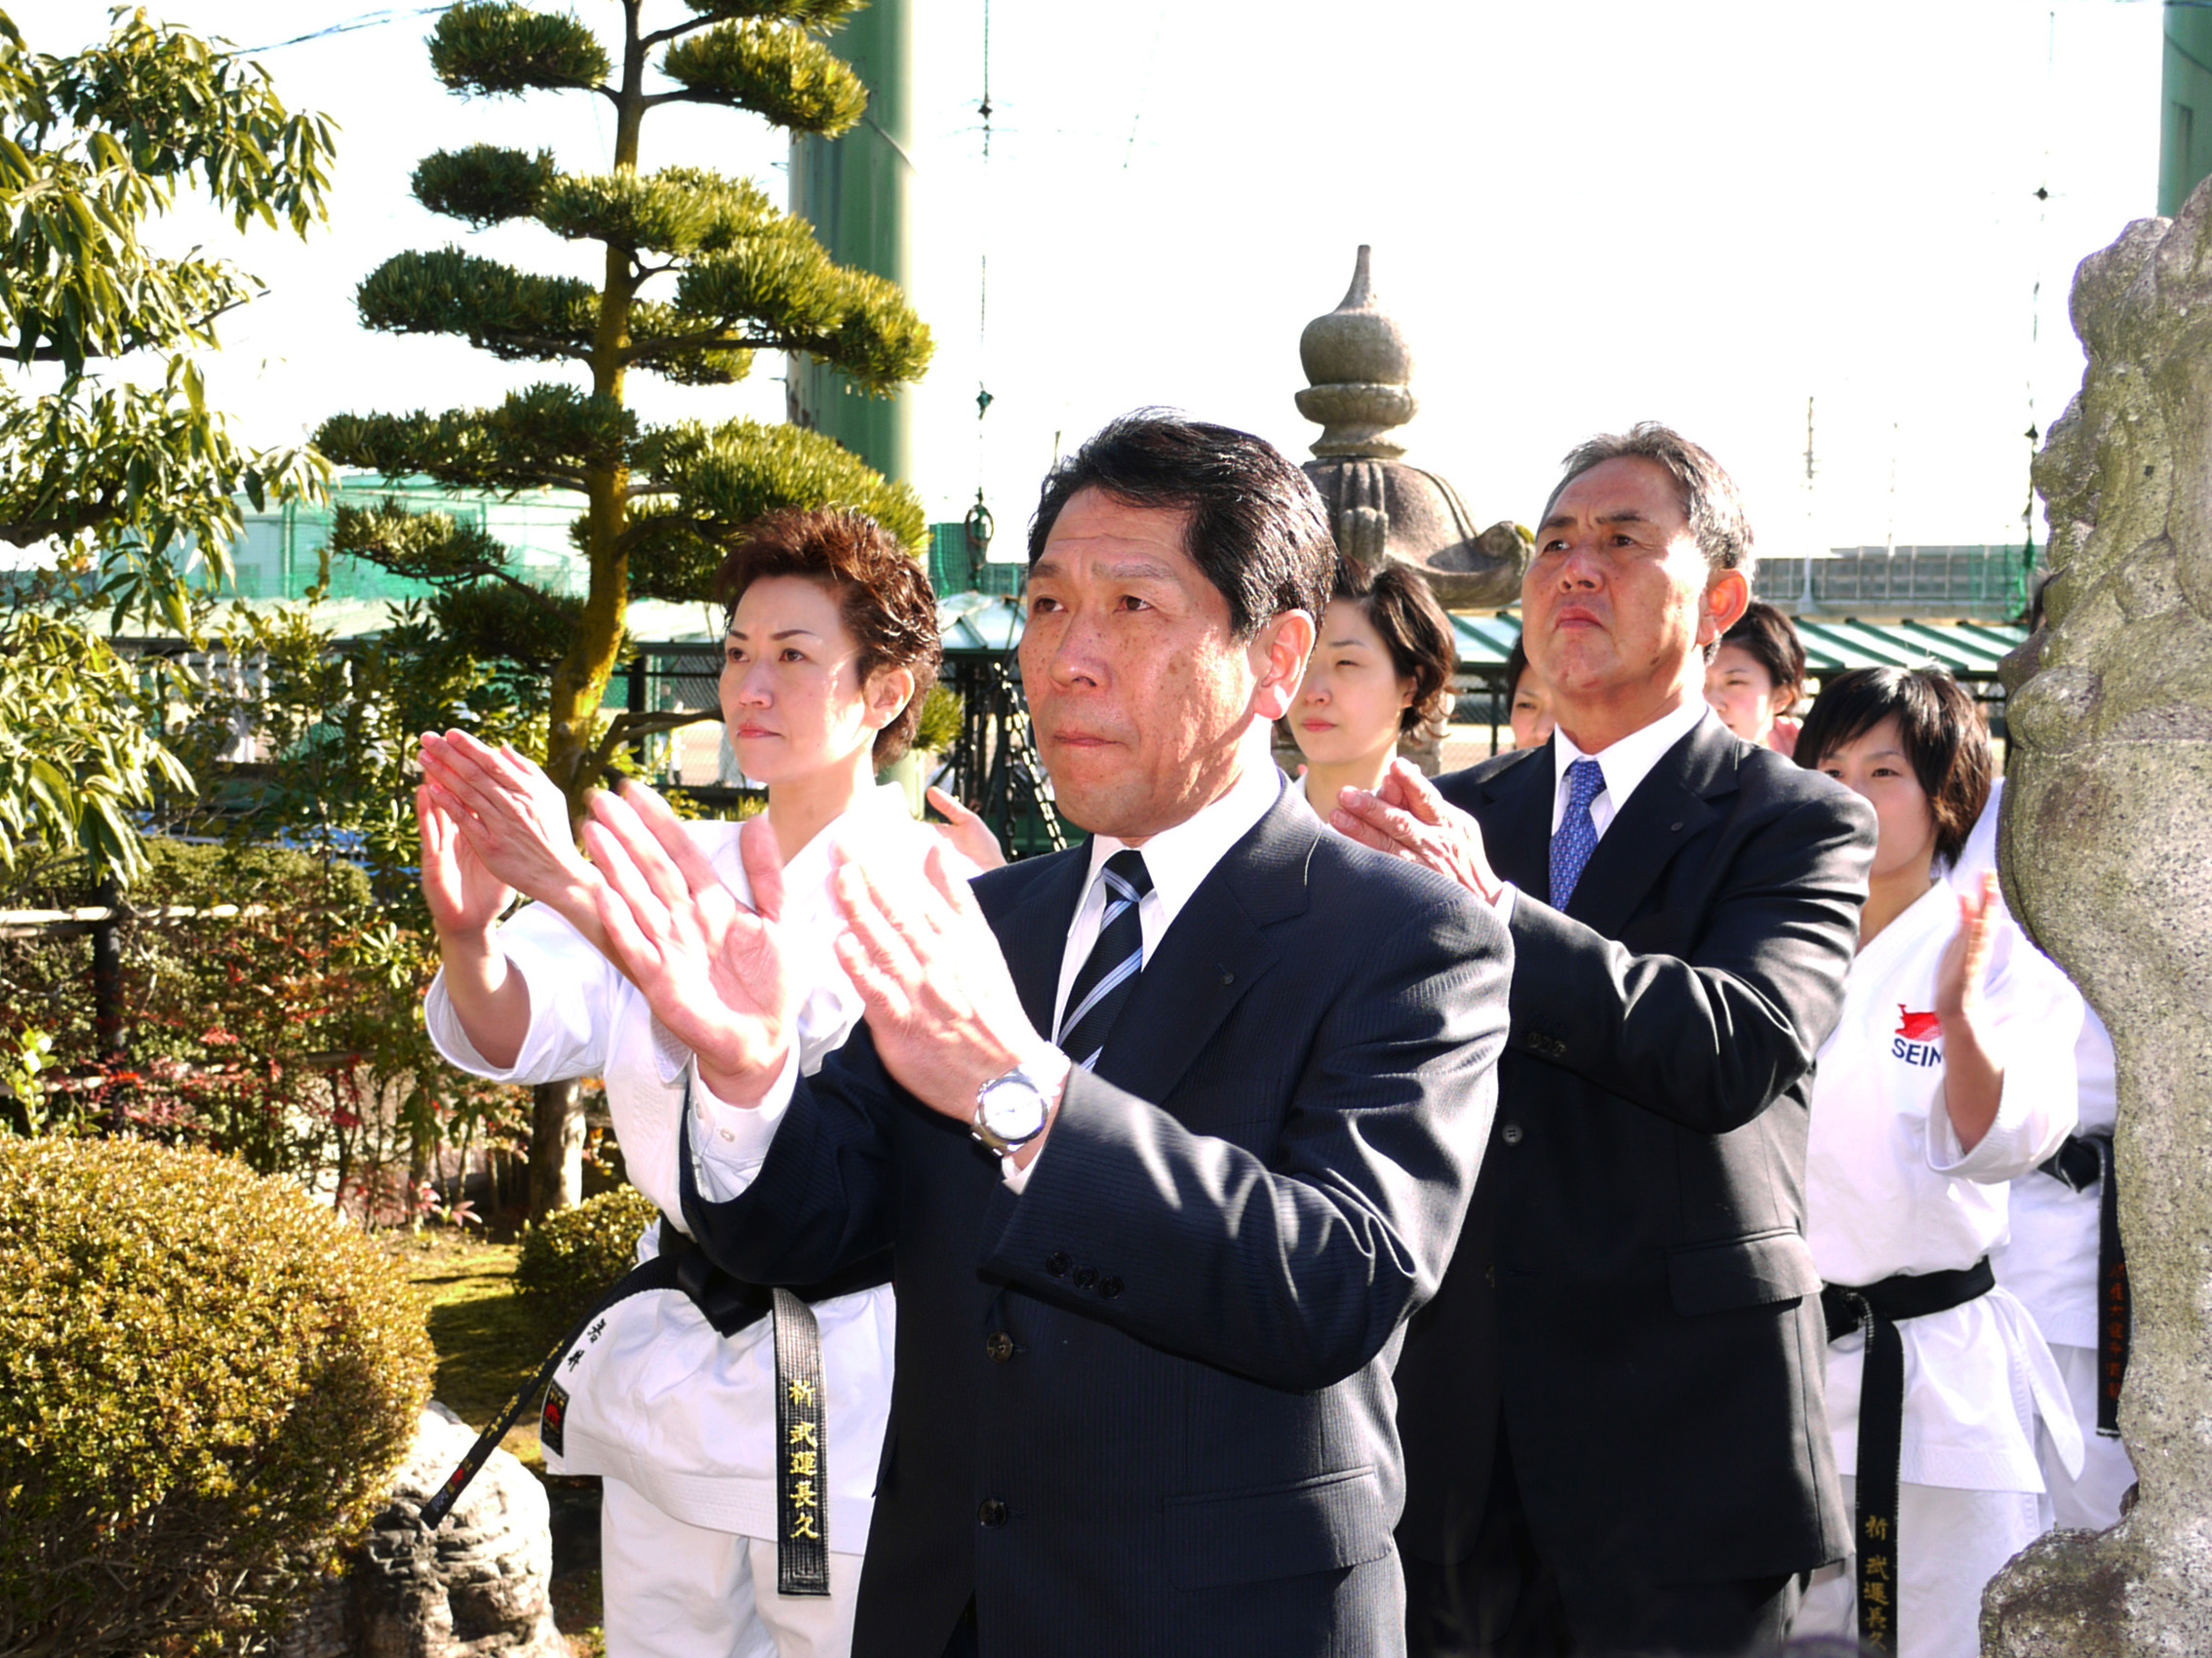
[
  {"x": 1509, "y": 1134},
  {"x": 1086, "y": 1277},
  {"x": 991, "y": 1513},
  {"x": 999, "y": 1348},
  {"x": 1109, "y": 1286},
  {"x": 1057, "y": 1264}
]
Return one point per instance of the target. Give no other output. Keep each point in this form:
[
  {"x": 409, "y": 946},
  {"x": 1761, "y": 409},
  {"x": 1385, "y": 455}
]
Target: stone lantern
[{"x": 1361, "y": 370}]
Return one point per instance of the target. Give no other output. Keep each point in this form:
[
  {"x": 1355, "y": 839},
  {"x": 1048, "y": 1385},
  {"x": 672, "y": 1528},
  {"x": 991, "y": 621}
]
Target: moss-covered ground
[{"x": 490, "y": 1341}]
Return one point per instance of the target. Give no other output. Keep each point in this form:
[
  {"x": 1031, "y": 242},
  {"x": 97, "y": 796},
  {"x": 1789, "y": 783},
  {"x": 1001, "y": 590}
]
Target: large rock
[
  {"x": 2106, "y": 835},
  {"x": 478, "y": 1588}
]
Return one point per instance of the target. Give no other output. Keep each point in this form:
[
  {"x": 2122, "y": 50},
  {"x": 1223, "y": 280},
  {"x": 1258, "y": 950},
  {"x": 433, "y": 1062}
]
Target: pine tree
[{"x": 701, "y": 271}]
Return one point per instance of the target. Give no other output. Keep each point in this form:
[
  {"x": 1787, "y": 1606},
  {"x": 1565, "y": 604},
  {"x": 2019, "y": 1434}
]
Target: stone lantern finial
[
  {"x": 1361, "y": 370},
  {"x": 1381, "y": 509}
]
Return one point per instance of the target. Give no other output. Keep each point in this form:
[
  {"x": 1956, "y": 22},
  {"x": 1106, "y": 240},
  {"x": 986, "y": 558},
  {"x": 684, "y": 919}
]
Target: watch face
[{"x": 1013, "y": 1110}]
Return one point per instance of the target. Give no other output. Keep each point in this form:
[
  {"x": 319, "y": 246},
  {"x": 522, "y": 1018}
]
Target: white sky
[{"x": 1582, "y": 216}]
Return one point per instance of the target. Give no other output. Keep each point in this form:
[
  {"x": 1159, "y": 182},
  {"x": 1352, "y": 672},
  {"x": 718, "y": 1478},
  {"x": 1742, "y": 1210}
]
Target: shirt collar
[
  {"x": 1627, "y": 761},
  {"x": 1178, "y": 859}
]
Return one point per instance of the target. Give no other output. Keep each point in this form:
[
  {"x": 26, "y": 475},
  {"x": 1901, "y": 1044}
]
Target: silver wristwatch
[{"x": 1011, "y": 1111}]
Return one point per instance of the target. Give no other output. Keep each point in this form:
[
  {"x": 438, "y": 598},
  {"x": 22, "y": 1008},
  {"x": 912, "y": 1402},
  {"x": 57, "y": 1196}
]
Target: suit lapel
[
  {"x": 1516, "y": 815},
  {"x": 1662, "y": 816},
  {"x": 1214, "y": 952},
  {"x": 1033, "y": 934}
]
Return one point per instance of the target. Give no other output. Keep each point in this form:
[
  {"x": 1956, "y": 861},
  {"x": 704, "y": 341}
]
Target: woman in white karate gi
[
  {"x": 832, "y": 642},
  {"x": 2051, "y": 1258},
  {"x": 1950, "y": 1073}
]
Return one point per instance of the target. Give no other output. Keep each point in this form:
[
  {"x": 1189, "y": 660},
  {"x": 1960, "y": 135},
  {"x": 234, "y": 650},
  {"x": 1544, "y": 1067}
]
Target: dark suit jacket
[
  {"x": 1184, "y": 1441},
  {"x": 1634, "y": 1286}
]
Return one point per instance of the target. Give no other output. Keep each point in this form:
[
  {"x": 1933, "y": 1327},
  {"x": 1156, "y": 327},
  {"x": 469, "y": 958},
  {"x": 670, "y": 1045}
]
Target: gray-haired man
[{"x": 1612, "y": 1409}]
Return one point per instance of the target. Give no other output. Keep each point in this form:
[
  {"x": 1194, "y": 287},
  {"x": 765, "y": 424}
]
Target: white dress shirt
[
  {"x": 1625, "y": 764},
  {"x": 731, "y": 1142}
]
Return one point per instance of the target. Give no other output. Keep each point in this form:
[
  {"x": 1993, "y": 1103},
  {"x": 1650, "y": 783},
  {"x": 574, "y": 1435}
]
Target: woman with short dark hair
[
  {"x": 1757, "y": 676},
  {"x": 830, "y": 644},
  {"x": 1948, "y": 1073},
  {"x": 1381, "y": 669}
]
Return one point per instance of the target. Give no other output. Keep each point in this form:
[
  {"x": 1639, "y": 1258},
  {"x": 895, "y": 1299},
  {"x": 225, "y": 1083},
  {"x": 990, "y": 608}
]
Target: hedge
[{"x": 206, "y": 1384}]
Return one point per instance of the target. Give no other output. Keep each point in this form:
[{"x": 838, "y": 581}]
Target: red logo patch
[{"x": 1918, "y": 1027}]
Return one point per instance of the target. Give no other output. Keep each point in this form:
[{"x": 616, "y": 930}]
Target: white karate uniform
[
  {"x": 679, "y": 1421},
  {"x": 2050, "y": 1259},
  {"x": 1889, "y": 1190}
]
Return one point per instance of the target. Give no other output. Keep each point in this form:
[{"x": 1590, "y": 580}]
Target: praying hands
[{"x": 940, "y": 1004}]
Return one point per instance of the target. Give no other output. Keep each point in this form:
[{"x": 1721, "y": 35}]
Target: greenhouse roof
[
  {"x": 983, "y": 622},
  {"x": 990, "y": 625}
]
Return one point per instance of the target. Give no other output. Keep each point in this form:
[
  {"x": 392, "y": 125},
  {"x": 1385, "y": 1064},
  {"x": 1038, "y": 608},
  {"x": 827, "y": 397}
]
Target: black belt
[
  {"x": 729, "y": 1304},
  {"x": 801, "y": 1452},
  {"x": 1876, "y": 1309},
  {"x": 2082, "y": 1161}
]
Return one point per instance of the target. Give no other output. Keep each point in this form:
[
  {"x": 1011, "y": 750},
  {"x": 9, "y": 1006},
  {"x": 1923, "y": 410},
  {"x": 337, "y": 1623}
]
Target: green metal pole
[{"x": 853, "y": 190}]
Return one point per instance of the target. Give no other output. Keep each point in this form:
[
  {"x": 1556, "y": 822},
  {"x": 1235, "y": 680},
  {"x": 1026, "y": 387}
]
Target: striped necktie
[
  {"x": 1110, "y": 974},
  {"x": 1577, "y": 834}
]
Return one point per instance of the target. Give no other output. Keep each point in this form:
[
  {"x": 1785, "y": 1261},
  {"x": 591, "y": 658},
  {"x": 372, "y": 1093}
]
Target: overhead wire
[{"x": 365, "y": 21}]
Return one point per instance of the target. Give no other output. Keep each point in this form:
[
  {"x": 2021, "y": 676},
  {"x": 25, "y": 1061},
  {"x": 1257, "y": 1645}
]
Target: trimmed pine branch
[
  {"x": 495, "y": 308},
  {"x": 498, "y": 49},
  {"x": 778, "y": 71},
  {"x": 679, "y": 211},
  {"x": 511, "y": 622},
  {"x": 542, "y": 437},
  {"x": 483, "y": 184}
]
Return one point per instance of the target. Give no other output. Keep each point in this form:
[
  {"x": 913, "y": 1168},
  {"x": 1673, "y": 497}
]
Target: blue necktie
[
  {"x": 1577, "y": 834},
  {"x": 1110, "y": 972}
]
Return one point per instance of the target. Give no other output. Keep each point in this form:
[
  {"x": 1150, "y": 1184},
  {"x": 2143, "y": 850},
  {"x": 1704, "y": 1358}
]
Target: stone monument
[
  {"x": 1360, "y": 371},
  {"x": 477, "y": 1588},
  {"x": 2105, "y": 837}
]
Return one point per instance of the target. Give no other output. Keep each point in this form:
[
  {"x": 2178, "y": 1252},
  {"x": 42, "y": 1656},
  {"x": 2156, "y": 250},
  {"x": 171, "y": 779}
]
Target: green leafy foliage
[
  {"x": 92, "y": 146},
  {"x": 782, "y": 73},
  {"x": 271, "y": 1009},
  {"x": 115, "y": 473},
  {"x": 206, "y": 1382},
  {"x": 77, "y": 757},
  {"x": 496, "y": 49},
  {"x": 484, "y": 184},
  {"x": 93, "y": 149},
  {"x": 569, "y": 1259},
  {"x": 939, "y": 726}
]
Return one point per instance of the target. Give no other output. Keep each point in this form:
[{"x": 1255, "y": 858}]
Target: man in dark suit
[
  {"x": 1152, "y": 1273},
  {"x": 1612, "y": 1409}
]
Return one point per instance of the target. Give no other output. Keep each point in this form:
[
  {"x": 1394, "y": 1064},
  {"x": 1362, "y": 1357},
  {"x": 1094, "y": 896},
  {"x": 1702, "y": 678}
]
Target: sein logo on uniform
[{"x": 1915, "y": 1041}]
